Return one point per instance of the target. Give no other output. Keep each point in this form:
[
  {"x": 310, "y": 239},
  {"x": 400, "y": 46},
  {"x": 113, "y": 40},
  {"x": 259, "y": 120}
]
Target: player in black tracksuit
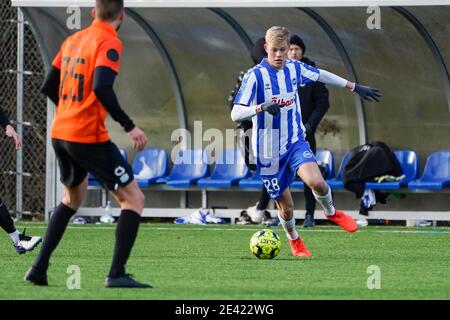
[
  {"x": 22, "y": 243},
  {"x": 314, "y": 104}
]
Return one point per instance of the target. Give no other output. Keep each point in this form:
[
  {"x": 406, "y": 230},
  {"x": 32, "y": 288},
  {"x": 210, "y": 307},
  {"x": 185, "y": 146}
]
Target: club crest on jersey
[
  {"x": 282, "y": 102},
  {"x": 294, "y": 82},
  {"x": 307, "y": 154}
]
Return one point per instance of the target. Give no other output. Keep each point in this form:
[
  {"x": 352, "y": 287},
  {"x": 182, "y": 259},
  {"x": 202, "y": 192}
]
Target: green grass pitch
[{"x": 215, "y": 262}]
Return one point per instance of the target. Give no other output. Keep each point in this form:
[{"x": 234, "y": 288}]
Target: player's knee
[
  {"x": 287, "y": 210},
  {"x": 72, "y": 202},
  {"x": 319, "y": 186},
  {"x": 136, "y": 200},
  {"x": 140, "y": 200}
]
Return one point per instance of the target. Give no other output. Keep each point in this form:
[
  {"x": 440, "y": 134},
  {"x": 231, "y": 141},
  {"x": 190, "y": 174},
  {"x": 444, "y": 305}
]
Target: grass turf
[{"x": 214, "y": 262}]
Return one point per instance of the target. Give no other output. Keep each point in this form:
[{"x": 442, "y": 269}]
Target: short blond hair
[{"x": 277, "y": 34}]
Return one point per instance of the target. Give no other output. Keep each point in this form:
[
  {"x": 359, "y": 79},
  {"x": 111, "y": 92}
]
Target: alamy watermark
[
  {"x": 215, "y": 151},
  {"x": 374, "y": 280},
  {"x": 74, "y": 280},
  {"x": 73, "y": 21},
  {"x": 268, "y": 145},
  {"x": 373, "y": 22}
]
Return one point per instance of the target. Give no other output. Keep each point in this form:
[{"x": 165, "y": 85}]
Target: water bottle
[{"x": 107, "y": 217}]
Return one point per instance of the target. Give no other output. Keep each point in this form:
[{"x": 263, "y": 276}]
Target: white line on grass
[{"x": 213, "y": 228}]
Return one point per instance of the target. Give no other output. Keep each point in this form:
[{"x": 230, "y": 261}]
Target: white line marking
[{"x": 213, "y": 228}]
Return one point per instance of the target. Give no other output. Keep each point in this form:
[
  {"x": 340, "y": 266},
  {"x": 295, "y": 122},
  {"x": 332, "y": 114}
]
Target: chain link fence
[{"x": 34, "y": 117}]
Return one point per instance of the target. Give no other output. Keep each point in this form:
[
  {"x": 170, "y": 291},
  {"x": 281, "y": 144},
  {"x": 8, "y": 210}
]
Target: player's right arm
[
  {"x": 50, "y": 87},
  {"x": 245, "y": 106}
]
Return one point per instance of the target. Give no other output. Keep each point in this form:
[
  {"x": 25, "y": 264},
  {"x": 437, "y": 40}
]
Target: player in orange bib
[{"x": 80, "y": 84}]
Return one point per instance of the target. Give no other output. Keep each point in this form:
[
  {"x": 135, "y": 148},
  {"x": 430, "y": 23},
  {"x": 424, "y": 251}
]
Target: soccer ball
[{"x": 265, "y": 244}]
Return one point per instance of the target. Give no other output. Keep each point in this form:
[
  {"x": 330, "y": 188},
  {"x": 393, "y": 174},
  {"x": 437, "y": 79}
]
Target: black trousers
[{"x": 310, "y": 201}]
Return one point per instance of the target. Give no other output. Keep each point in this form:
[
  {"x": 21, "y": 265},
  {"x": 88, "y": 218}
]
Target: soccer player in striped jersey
[{"x": 268, "y": 95}]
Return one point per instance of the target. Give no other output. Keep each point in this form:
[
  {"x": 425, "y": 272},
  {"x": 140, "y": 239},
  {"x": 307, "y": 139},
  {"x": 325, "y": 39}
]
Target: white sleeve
[
  {"x": 241, "y": 113},
  {"x": 331, "y": 78},
  {"x": 246, "y": 95},
  {"x": 306, "y": 73}
]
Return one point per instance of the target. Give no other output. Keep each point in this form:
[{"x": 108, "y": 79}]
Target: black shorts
[{"x": 103, "y": 160}]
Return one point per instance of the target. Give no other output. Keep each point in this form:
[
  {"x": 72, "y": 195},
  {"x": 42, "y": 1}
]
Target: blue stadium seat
[
  {"x": 229, "y": 169},
  {"x": 436, "y": 174},
  {"x": 410, "y": 165},
  {"x": 323, "y": 157},
  {"x": 94, "y": 182},
  {"x": 254, "y": 181},
  {"x": 337, "y": 183},
  {"x": 188, "y": 168},
  {"x": 149, "y": 165}
]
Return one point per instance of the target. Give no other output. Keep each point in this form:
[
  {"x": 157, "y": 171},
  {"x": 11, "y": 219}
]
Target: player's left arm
[
  {"x": 9, "y": 130},
  {"x": 311, "y": 74},
  {"x": 365, "y": 92},
  {"x": 106, "y": 69},
  {"x": 103, "y": 87},
  {"x": 4, "y": 120},
  {"x": 107, "y": 66}
]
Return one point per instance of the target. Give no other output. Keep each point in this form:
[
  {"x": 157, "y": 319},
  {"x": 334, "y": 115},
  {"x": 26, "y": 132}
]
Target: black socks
[
  {"x": 126, "y": 232},
  {"x": 55, "y": 230}
]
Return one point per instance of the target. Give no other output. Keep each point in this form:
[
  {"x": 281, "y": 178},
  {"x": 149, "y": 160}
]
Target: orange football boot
[
  {"x": 344, "y": 221},
  {"x": 298, "y": 248}
]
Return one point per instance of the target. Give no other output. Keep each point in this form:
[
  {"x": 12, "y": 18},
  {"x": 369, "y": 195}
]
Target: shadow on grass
[{"x": 280, "y": 258}]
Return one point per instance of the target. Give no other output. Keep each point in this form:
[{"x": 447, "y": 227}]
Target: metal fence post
[{"x": 20, "y": 74}]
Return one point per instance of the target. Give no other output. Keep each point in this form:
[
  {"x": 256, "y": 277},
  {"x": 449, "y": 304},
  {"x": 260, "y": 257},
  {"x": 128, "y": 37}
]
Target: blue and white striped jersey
[{"x": 274, "y": 135}]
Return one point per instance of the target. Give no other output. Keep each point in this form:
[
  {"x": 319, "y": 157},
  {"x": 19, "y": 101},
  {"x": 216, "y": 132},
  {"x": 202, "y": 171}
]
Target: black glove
[
  {"x": 367, "y": 93},
  {"x": 270, "y": 107}
]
